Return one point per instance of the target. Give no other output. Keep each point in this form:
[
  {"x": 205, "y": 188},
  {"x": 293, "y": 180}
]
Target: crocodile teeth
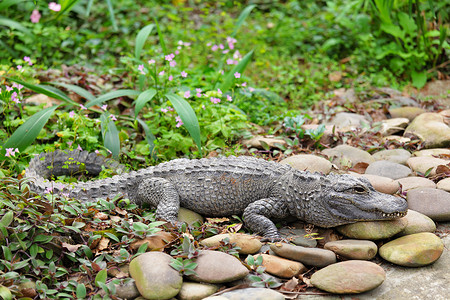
[{"x": 393, "y": 214}]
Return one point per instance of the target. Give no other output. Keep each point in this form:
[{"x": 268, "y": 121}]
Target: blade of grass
[
  {"x": 76, "y": 89},
  {"x": 111, "y": 15},
  {"x": 244, "y": 14},
  {"x": 149, "y": 137},
  {"x": 110, "y": 135},
  {"x": 28, "y": 131},
  {"x": 141, "y": 37},
  {"x": 188, "y": 117},
  {"x": 66, "y": 6},
  {"x": 15, "y": 25},
  {"x": 46, "y": 90},
  {"x": 161, "y": 37},
  {"x": 112, "y": 95},
  {"x": 143, "y": 98},
  {"x": 240, "y": 68}
]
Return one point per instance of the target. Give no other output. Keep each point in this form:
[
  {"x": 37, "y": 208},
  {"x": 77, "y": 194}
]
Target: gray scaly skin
[{"x": 259, "y": 190}]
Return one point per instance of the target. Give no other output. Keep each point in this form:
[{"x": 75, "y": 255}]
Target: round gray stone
[
  {"x": 417, "y": 222},
  {"x": 297, "y": 236},
  {"x": 413, "y": 182},
  {"x": 308, "y": 162},
  {"x": 353, "y": 249},
  {"x": 345, "y": 155},
  {"x": 309, "y": 256},
  {"x": 433, "y": 203},
  {"x": 218, "y": 267},
  {"x": 373, "y": 230},
  {"x": 422, "y": 164},
  {"x": 388, "y": 169},
  {"x": 444, "y": 184},
  {"x": 349, "y": 277},
  {"x": 399, "y": 156},
  {"x": 196, "y": 291},
  {"x": 154, "y": 277},
  {"x": 252, "y": 293}
]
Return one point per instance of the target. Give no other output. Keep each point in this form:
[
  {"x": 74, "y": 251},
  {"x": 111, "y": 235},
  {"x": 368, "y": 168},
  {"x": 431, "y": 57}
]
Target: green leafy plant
[{"x": 257, "y": 279}]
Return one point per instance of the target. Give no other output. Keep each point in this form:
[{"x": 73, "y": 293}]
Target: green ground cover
[{"x": 149, "y": 81}]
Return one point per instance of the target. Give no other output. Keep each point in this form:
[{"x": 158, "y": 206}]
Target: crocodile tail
[{"x": 46, "y": 165}]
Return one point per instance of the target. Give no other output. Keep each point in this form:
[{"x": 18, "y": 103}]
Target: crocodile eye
[{"x": 359, "y": 189}]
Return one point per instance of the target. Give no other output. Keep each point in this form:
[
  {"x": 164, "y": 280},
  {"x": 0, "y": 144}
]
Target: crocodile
[{"x": 258, "y": 190}]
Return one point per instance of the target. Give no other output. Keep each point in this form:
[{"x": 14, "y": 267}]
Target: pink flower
[
  {"x": 183, "y": 74},
  {"x": 79, "y": 148},
  {"x": 11, "y": 151},
  {"x": 173, "y": 63},
  {"x": 230, "y": 61},
  {"x": 214, "y": 48},
  {"x": 151, "y": 61},
  {"x": 219, "y": 91},
  {"x": 179, "y": 122},
  {"x": 221, "y": 46},
  {"x": 113, "y": 117},
  {"x": 170, "y": 57},
  {"x": 215, "y": 100},
  {"x": 251, "y": 89},
  {"x": 180, "y": 42},
  {"x": 71, "y": 114},
  {"x": 161, "y": 73},
  {"x": 141, "y": 69},
  {"x": 17, "y": 86},
  {"x": 19, "y": 67},
  {"x": 244, "y": 84},
  {"x": 82, "y": 106},
  {"x": 104, "y": 107},
  {"x": 170, "y": 78},
  {"x": 54, "y": 6},
  {"x": 237, "y": 75},
  {"x": 177, "y": 52},
  {"x": 97, "y": 152},
  {"x": 203, "y": 106},
  {"x": 170, "y": 108},
  {"x": 28, "y": 59},
  {"x": 69, "y": 143},
  {"x": 199, "y": 92},
  {"x": 9, "y": 89},
  {"x": 14, "y": 97},
  {"x": 229, "y": 98},
  {"x": 209, "y": 44},
  {"x": 187, "y": 94},
  {"x": 164, "y": 110},
  {"x": 35, "y": 16},
  {"x": 236, "y": 55},
  {"x": 225, "y": 51}
]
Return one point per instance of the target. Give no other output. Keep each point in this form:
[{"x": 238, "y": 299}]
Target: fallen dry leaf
[
  {"x": 70, "y": 247},
  {"x": 290, "y": 285}
]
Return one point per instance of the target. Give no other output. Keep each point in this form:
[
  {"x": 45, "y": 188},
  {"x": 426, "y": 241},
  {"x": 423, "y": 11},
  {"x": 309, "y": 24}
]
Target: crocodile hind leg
[
  {"x": 160, "y": 193},
  {"x": 257, "y": 216}
]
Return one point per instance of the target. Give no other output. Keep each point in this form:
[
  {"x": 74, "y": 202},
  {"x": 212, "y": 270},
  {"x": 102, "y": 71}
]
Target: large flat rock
[{"x": 430, "y": 282}]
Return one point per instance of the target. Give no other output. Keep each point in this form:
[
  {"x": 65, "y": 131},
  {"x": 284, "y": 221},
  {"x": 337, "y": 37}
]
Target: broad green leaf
[
  {"x": 142, "y": 99},
  {"x": 149, "y": 137},
  {"x": 112, "y": 237},
  {"x": 141, "y": 38},
  {"x": 188, "y": 117},
  {"x": 46, "y": 90},
  {"x": 419, "y": 79},
  {"x": 112, "y": 95},
  {"x": 240, "y": 67},
  {"x": 110, "y": 135},
  {"x": 407, "y": 23},
  {"x": 244, "y": 14},
  {"x": 161, "y": 37},
  {"x": 14, "y": 25},
  {"x": 81, "y": 291},
  {"x": 76, "y": 89},
  {"x": 88, "y": 7},
  {"x": 28, "y": 131},
  {"x": 7, "y": 3},
  {"x": 7, "y": 254},
  {"x": 111, "y": 15},
  {"x": 393, "y": 30},
  {"x": 101, "y": 277},
  {"x": 7, "y": 218},
  {"x": 43, "y": 238},
  {"x": 5, "y": 293}
]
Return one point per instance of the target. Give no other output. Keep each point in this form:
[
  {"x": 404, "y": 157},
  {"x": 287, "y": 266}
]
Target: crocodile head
[{"x": 347, "y": 199}]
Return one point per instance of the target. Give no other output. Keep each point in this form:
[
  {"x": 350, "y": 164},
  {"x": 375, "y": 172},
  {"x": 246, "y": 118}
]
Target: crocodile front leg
[
  {"x": 160, "y": 193},
  {"x": 257, "y": 216}
]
